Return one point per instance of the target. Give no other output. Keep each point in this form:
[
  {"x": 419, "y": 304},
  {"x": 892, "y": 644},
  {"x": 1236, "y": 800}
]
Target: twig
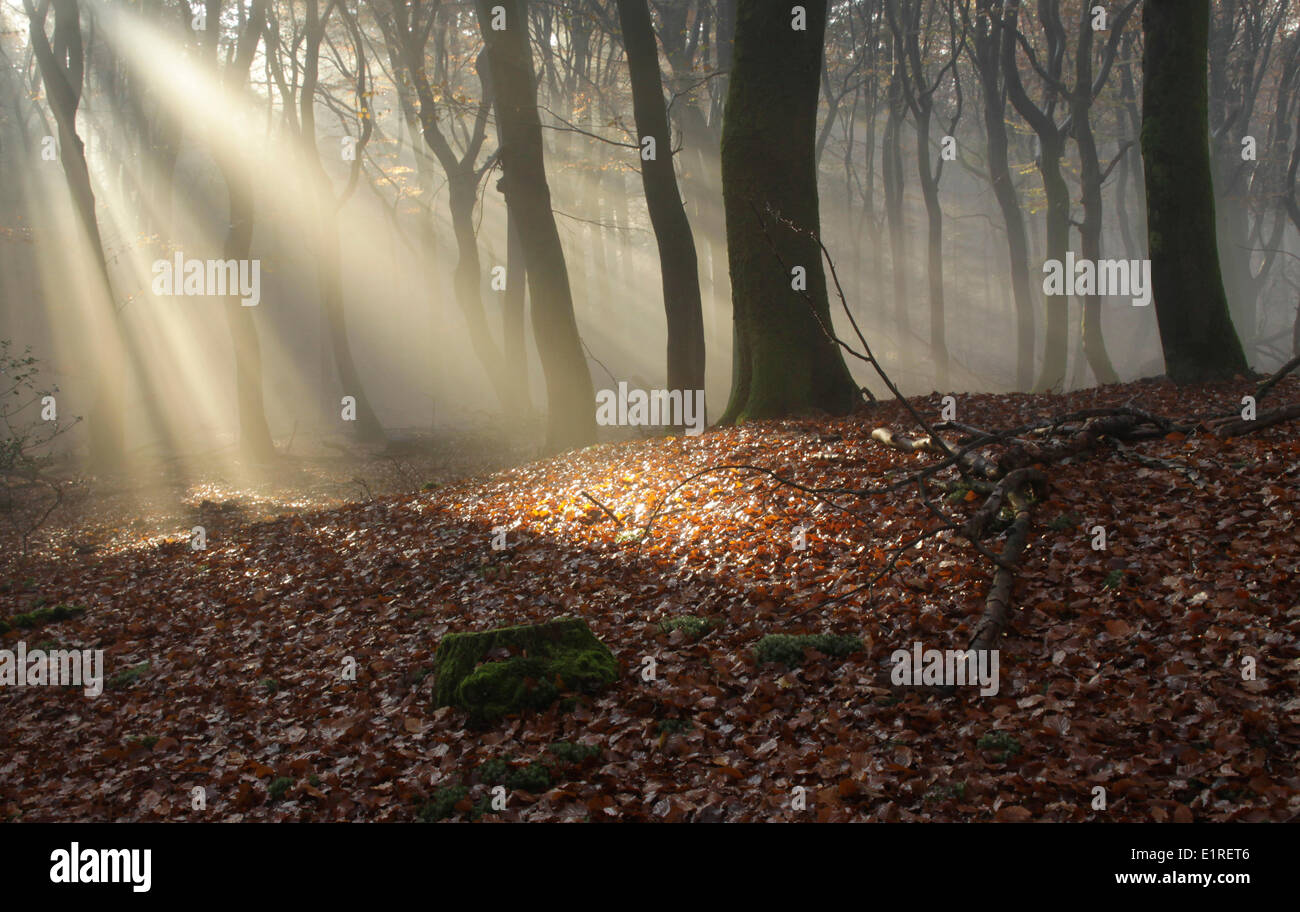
[
  {"x": 608, "y": 511},
  {"x": 1273, "y": 381}
]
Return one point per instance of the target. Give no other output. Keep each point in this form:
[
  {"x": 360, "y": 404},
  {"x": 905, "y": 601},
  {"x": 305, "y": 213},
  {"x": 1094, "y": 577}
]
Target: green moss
[
  {"x": 271, "y": 685},
  {"x": 570, "y": 754},
  {"x": 674, "y": 726},
  {"x": 493, "y": 771},
  {"x": 443, "y": 804},
  {"x": 41, "y": 616},
  {"x": 128, "y": 675},
  {"x": 147, "y": 740},
  {"x": 694, "y": 627},
  {"x": 1113, "y": 579},
  {"x": 416, "y": 678},
  {"x": 546, "y": 660},
  {"x": 535, "y": 777},
  {"x": 789, "y": 650},
  {"x": 954, "y": 792},
  {"x": 277, "y": 788},
  {"x": 1006, "y": 746},
  {"x": 957, "y": 493},
  {"x": 1064, "y": 522}
]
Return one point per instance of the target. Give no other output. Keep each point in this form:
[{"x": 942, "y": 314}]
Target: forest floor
[{"x": 1162, "y": 669}]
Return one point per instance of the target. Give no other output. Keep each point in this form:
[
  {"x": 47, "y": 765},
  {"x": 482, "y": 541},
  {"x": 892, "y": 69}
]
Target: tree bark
[
  {"x": 891, "y": 154},
  {"x": 571, "y": 419},
  {"x": 787, "y": 363},
  {"x": 1051, "y": 150},
  {"x": 254, "y": 433},
  {"x": 677, "y": 258},
  {"x": 62, "y": 76},
  {"x": 1196, "y": 331},
  {"x": 329, "y": 266},
  {"x": 988, "y": 38},
  {"x": 1094, "y": 343},
  {"x": 512, "y": 317}
]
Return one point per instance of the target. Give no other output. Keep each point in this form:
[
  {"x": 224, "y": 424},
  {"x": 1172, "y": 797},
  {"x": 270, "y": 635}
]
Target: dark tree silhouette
[
  {"x": 571, "y": 420},
  {"x": 785, "y": 361},
  {"x": 1196, "y": 329},
  {"x": 677, "y": 259}
]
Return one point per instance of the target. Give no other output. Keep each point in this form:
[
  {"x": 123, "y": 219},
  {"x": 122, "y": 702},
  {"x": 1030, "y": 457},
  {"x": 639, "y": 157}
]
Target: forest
[{"x": 649, "y": 410}]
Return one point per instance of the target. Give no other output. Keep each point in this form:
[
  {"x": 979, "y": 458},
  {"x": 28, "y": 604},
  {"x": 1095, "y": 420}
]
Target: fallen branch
[
  {"x": 997, "y": 606},
  {"x": 608, "y": 512},
  {"x": 1239, "y": 427},
  {"x": 1262, "y": 390}
]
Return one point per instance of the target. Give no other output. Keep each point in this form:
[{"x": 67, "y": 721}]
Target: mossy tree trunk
[
  {"x": 1196, "y": 331},
  {"x": 785, "y": 361}
]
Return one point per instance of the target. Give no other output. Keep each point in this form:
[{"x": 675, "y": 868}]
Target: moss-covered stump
[{"x": 544, "y": 661}]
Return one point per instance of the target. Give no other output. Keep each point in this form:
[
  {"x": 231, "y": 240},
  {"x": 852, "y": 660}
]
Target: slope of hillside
[{"x": 1162, "y": 668}]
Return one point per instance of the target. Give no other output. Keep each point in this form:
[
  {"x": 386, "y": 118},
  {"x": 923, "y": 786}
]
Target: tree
[
  {"x": 408, "y": 29},
  {"x": 988, "y": 37},
  {"x": 329, "y": 261},
  {"x": 1196, "y": 331},
  {"x": 62, "y": 71},
  {"x": 1244, "y": 39},
  {"x": 918, "y": 90},
  {"x": 677, "y": 259},
  {"x": 1051, "y": 150},
  {"x": 1291, "y": 202},
  {"x": 1092, "y": 176},
  {"x": 891, "y": 154},
  {"x": 571, "y": 418},
  {"x": 786, "y": 360},
  {"x": 254, "y": 433}
]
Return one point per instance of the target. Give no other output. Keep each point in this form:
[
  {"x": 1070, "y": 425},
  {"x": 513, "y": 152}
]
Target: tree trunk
[
  {"x": 329, "y": 267},
  {"x": 988, "y": 38},
  {"x": 571, "y": 419},
  {"x": 787, "y": 362},
  {"x": 934, "y": 211},
  {"x": 254, "y": 434},
  {"x": 62, "y": 76},
  {"x": 512, "y": 317},
  {"x": 677, "y": 258},
  {"x": 1196, "y": 331},
  {"x": 892, "y": 177},
  {"x": 1094, "y": 344}
]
